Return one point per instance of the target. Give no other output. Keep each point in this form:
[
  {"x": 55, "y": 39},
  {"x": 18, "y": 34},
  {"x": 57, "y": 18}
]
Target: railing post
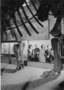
[{"x": 9, "y": 54}]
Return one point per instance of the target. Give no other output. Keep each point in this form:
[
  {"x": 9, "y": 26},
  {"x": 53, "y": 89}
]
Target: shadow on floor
[
  {"x": 30, "y": 84},
  {"x": 3, "y": 70}
]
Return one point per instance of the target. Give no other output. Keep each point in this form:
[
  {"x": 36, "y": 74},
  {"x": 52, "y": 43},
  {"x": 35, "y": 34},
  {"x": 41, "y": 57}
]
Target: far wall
[
  {"x": 40, "y": 42},
  {"x": 8, "y": 47}
]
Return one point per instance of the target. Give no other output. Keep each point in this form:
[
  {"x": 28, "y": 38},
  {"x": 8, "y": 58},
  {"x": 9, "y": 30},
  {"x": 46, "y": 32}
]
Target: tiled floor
[{"x": 27, "y": 74}]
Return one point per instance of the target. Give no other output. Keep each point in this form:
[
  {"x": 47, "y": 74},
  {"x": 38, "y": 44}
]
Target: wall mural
[{"x": 7, "y": 47}]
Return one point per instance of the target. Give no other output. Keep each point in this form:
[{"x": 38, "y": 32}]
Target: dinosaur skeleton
[
  {"x": 57, "y": 9},
  {"x": 10, "y": 7}
]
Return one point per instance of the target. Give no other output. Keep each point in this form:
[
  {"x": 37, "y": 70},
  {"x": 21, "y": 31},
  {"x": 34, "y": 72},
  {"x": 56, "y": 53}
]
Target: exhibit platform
[{"x": 29, "y": 78}]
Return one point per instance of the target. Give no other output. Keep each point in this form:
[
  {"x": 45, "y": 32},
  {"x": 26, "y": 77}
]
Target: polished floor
[{"x": 29, "y": 78}]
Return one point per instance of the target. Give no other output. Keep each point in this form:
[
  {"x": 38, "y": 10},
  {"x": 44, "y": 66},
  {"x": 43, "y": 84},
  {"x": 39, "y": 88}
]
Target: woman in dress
[
  {"x": 30, "y": 53},
  {"x": 42, "y": 54}
]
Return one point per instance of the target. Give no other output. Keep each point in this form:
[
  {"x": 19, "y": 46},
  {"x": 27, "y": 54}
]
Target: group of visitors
[
  {"x": 33, "y": 54},
  {"x": 42, "y": 55}
]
